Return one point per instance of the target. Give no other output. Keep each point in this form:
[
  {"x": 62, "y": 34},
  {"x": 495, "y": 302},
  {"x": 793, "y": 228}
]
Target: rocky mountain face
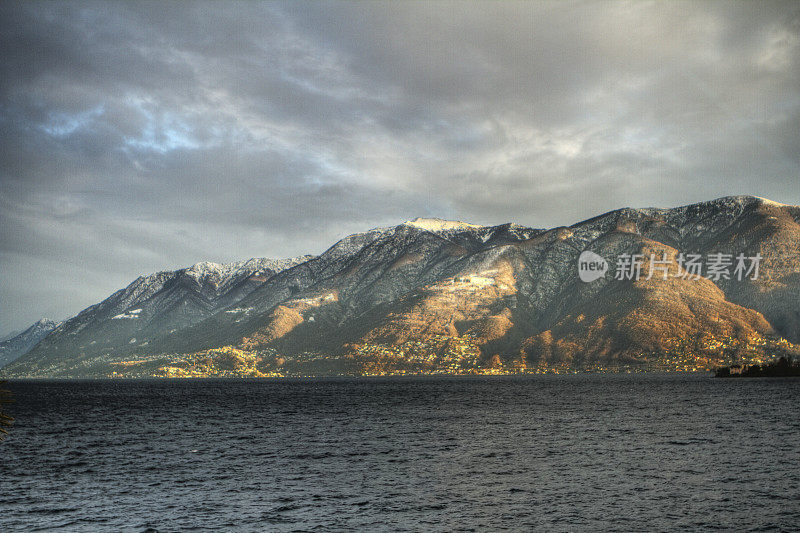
[
  {"x": 18, "y": 345},
  {"x": 155, "y": 306},
  {"x": 441, "y": 296}
]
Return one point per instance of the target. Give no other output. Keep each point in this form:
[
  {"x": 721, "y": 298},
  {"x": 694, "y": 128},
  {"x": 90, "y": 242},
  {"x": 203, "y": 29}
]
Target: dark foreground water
[{"x": 596, "y": 453}]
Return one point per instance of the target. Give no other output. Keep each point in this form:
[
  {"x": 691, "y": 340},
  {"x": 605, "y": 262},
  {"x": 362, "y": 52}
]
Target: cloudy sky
[{"x": 137, "y": 137}]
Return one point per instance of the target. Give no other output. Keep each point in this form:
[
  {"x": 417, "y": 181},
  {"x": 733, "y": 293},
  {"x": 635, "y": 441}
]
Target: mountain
[
  {"x": 18, "y": 345},
  {"x": 156, "y": 305},
  {"x": 431, "y": 295}
]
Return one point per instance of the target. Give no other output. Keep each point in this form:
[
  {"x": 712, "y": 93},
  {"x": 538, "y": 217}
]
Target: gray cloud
[{"x": 142, "y": 136}]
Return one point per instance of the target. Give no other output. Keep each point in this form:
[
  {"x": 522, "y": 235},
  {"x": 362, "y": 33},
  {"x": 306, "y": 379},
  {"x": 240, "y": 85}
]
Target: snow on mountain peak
[
  {"x": 767, "y": 201},
  {"x": 18, "y": 345},
  {"x": 225, "y": 270},
  {"x": 438, "y": 224},
  {"x": 205, "y": 266},
  {"x": 741, "y": 201}
]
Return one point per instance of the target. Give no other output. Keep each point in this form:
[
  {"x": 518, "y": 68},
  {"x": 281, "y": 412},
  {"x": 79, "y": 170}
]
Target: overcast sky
[{"x": 137, "y": 137}]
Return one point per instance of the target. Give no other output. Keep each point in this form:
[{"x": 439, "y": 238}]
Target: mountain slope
[
  {"x": 432, "y": 295},
  {"x": 153, "y": 306},
  {"x": 15, "y": 347}
]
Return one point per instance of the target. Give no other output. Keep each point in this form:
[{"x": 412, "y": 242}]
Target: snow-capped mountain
[
  {"x": 431, "y": 294},
  {"x": 18, "y": 345},
  {"x": 159, "y": 304}
]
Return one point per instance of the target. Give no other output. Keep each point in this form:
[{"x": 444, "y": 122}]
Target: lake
[{"x": 550, "y": 453}]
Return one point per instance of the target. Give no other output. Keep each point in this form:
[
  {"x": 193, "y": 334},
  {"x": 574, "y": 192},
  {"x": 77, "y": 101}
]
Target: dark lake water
[{"x": 572, "y": 453}]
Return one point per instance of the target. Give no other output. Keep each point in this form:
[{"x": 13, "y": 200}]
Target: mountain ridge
[
  {"x": 431, "y": 295},
  {"x": 15, "y": 346}
]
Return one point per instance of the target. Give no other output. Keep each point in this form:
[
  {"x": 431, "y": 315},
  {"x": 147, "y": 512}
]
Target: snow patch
[
  {"x": 239, "y": 310},
  {"x": 133, "y": 313},
  {"x": 317, "y": 300}
]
